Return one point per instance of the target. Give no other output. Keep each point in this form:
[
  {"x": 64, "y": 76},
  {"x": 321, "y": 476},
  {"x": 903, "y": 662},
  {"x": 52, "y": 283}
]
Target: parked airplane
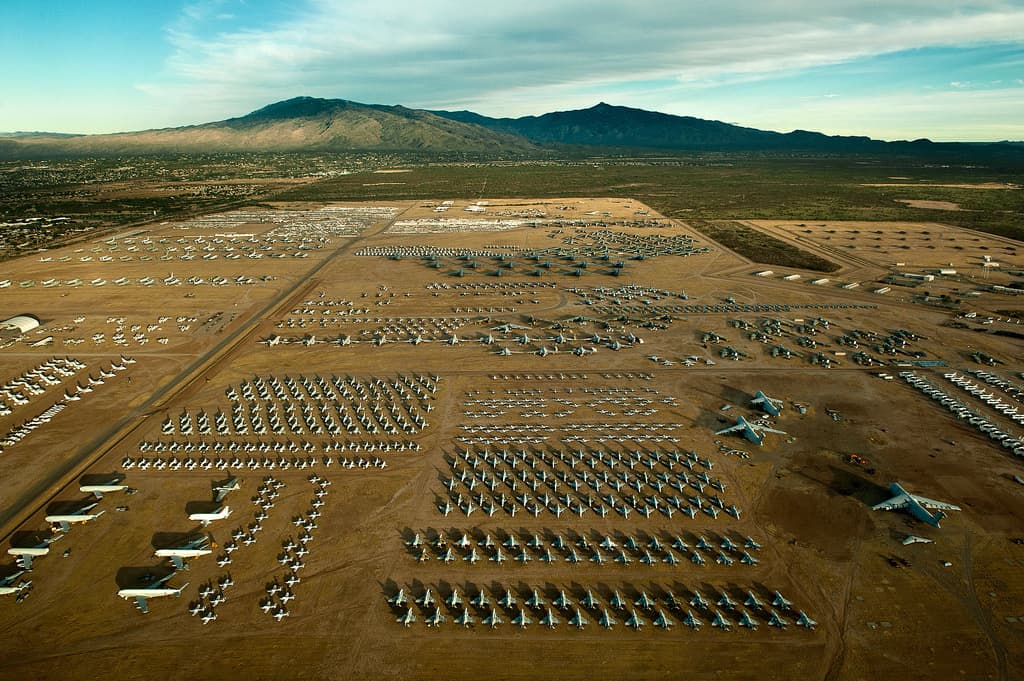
[
  {"x": 407, "y": 619},
  {"x": 154, "y": 590},
  {"x": 8, "y": 586},
  {"x": 221, "y": 489},
  {"x": 82, "y": 515},
  {"x": 25, "y": 554},
  {"x": 113, "y": 484},
  {"x": 767, "y": 404},
  {"x": 751, "y": 431},
  {"x": 193, "y": 548},
  {"x": 916, "y": 505},
  {"x": 207, "y": 518}
]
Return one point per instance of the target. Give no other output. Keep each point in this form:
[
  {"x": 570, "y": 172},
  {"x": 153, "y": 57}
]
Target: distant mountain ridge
[
  {"x": 293, "y": 125},
  {"x": 620, "y": 126},
  {"x": 323, "y": 125}
]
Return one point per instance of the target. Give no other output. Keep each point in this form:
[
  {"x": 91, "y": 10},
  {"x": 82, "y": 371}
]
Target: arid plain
[{"x": 540, "y": 380}]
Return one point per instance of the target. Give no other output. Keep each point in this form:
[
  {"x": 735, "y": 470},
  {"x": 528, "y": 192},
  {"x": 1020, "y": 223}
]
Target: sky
[{"x": 948, "y": 70}]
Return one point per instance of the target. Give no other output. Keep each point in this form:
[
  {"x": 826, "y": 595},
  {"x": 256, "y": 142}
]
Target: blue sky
[{"x": 890, "y": 69}]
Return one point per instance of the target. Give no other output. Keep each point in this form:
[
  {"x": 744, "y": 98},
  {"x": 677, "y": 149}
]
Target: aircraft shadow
[
  {"x": 133, "y": 577},
  {"x": 847, "y": 483},
  {"x": 163, "y": 540},
  {"x": 67, "y": 507},
  {"x": 101, "y": 478}
]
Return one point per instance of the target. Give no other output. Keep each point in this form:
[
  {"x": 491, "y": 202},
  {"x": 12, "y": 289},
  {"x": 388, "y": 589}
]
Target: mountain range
[{"x": 313, "y": 124}]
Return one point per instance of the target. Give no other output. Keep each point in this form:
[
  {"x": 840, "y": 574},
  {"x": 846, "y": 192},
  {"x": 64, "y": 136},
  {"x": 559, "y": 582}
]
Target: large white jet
[
  {"x": 82, "y": 515},
  {"x": 99, "y": 489},
  {"x": 752, "y": 431},
  {"x": 154, "y": 590},
  {"x": 193, "y": 548},
  {"x": 207, "y": 518},
  {"x": 916, "y": 505},
  {"x": 25, "y": 554}
]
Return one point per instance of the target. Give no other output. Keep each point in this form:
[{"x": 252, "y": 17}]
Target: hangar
[{"x": 22, "y": 323}]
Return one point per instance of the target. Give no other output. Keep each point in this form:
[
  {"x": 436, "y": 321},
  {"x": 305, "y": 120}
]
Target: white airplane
[
  {"x": 578, "y": 620},
  {"x": 522, "y": 620},
  {"x": 464, "y": 618},
  {"x": 82, "y": 515},
  {"x": 751, "y": 431},
  {"x": 25, "y": 554},
  {"x": 193, "y": 548},
  {"x": 435, "y": 619},
  {"x": 804, "y": 621},
  {"x": 635, "y": 621},
  {"x": 916, "y": 505},
  {"x": 98, "y": 490},
  {"x": 221, "y": 489},
  {"x": 606, "y": 621},
  {"x": 492, "y": 620},
  {"x": 407, "y": 619},
  {"x": 767, "y": 404},
  {"x": 155, "y": 590},
  {"x": 207, "y": 518},
  {"x": 663, "y": 620}
]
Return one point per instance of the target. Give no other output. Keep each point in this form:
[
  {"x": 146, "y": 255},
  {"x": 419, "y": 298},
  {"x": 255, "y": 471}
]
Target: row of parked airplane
[
  {"x": 252, "y": 463},
  {"x": 769, "y": 612},
  {"x": 1008, "y": 440}
]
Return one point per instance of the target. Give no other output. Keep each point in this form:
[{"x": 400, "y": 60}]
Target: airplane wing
[
  {"x": 221, "y": 493},
  {"x": 731, "y": 429},
  {"x": 895, "y": 503},
  {"x": 140, "y": 603},
  {"x": 765, "y": 429},
  {"x": 931, "y": 503}
]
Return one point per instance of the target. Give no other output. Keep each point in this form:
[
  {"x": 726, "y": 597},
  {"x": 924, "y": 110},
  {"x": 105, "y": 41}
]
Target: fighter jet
[
  {"x": 407, "y": 619},
  {"x": 916, "y": 505},
  {"x": 82, "y": 515},
  {"x": 464, "y": 618},
  {"x": 767, "y": 404},
  {"x": 751, "y": 431},
  {"x": 747, "y": 621},
  {"x": 804, "y": 621},
  {"x": 522, "y": 620},
  {"x": 663, "y": 620},
  {"x": 154, "y": 590},
  {"x": 550, "y": 620},
  {"x": 399, "y": 599},
  {"x": 635, "y": 621},
  {"x": 606, "y": 621},
  {"x": 207, "y": 518},
  {"x": 691, "y": 620},
  {"x": 198, "y": 545},
  {"x": 435, "y": 619},
  {"x": 721, "y": 621},
  {"x": 492, "y": 620},
  {"x": 578, "y": 620}
]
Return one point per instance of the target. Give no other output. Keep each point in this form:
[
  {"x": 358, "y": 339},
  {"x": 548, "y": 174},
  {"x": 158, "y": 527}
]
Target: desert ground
[{"x": 458, "y": 380}]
